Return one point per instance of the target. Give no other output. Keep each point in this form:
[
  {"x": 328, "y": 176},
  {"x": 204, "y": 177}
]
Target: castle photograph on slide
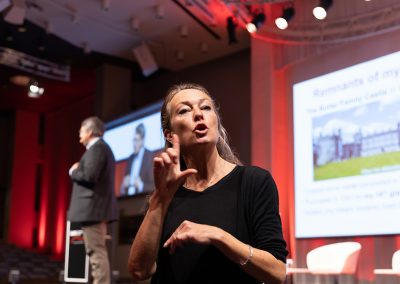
[{"x": 361, "y": 140}]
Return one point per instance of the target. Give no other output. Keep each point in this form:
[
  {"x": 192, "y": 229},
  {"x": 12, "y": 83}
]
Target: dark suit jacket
[
  {"x": 146, "y": 171},
  {"x": 93, "y": 197}
]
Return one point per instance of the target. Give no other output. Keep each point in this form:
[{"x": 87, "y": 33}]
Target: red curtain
[{"x": 26, "y": 157}]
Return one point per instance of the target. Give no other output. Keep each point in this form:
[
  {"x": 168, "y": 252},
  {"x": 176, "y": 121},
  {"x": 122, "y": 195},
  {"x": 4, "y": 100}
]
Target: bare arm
[
  {"x": 261, "y": 265},
  {"x": 167, "y": 179},
  {"x": 144, "y": 249}
]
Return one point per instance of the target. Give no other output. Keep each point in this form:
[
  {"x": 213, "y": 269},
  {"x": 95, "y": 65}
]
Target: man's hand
[{"x": 74, "y": 167}]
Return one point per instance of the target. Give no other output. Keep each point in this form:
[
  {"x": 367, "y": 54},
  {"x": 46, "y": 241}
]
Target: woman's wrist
[
  {"x": 218, "y": 238},
  {"x": 249, "y": 257},
  {"x": 225, "y": 242},
  {"x": 158, "y": 200}
]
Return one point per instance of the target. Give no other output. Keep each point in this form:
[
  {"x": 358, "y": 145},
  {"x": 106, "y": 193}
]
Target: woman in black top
[{"x": 210, "y": 220}]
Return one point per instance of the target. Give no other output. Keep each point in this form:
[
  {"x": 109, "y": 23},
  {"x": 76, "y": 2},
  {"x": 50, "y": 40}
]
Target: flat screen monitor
[
  {"x": 347, "y": 151},
  {"x": 135, "y": 139}
]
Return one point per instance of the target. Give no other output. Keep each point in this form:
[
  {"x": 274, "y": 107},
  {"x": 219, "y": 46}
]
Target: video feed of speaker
[
  {"x": 135, "y": 139},
  {"x": 347, "y": 151}
]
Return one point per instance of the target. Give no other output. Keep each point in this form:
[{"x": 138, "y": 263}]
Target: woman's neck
[{"x": 210, "y": 169}]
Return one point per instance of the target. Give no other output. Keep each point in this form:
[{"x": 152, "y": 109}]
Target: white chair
[
  {"x": 337, "y": 258},
  {"x": 333, "y": 259},
  {"x": 395, "y": 266}
]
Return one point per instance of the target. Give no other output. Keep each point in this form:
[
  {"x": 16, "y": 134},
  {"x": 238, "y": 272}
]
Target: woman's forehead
[{"x": 189, "y": 95}]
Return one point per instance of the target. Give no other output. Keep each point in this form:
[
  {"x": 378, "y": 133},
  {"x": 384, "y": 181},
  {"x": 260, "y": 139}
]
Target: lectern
[{"x": 76, "y": 265}]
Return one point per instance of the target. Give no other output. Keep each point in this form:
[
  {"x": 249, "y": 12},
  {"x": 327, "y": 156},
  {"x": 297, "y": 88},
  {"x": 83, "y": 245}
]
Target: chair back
[
  {"x": 396, "y": 261},
  {"x": 337, "y": 258}
]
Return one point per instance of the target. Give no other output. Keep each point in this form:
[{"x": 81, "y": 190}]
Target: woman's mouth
[{"x": 200, "y": 128}]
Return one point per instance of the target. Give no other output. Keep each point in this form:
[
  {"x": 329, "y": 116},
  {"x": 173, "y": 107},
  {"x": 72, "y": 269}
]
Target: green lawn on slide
[{"x": 354, "y": 166}]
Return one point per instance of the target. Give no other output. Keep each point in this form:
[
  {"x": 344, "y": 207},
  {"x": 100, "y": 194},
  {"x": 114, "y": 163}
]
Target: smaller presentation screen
[
  {"x": 135, "y": 139},
  {"x": 347, "y": 151}
]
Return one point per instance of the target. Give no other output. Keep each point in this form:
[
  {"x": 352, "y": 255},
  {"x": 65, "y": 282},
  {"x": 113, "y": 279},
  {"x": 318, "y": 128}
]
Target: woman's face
[{"x": 193, "y": 118}]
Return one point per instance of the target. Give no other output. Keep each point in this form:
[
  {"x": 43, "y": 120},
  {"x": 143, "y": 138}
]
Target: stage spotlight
[
  {"x": 34, "y": 91},
  {"x": 283, "y": 21},
  {"x": 255, "y": 24},
  {"x": 320, "y": 12},
  {"x": 231, "y": 28},
  {"x": 14, "y": 276}
]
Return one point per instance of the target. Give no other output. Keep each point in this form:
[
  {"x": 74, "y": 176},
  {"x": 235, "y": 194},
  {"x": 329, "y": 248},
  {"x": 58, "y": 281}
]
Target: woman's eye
[
  {"x": 183, "y": 111},
  {"x": 206, "y": 107}
]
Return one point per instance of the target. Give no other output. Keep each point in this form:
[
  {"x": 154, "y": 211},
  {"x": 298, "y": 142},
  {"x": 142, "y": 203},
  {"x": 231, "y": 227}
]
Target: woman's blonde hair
[{"x": 223, "y": 147}]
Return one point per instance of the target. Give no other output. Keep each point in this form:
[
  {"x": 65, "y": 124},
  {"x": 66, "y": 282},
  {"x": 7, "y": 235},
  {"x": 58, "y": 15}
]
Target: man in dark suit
[
  {"x": 139, "y": 171},
  {"x": 93, "y": 201}
]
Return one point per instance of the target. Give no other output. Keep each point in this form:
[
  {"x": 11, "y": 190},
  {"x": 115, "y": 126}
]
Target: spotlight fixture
[
  {"x": 231, "y": 28},
  {"x": 283, "y": 21},
  {"x": 34, "y": 91},
  {"x": 320, "y": 12},
  {"x": 255, "y": 24}
]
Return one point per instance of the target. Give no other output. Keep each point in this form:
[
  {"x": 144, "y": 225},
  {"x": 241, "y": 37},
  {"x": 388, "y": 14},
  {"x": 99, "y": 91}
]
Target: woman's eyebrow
[{"x": 191, "y": 102}]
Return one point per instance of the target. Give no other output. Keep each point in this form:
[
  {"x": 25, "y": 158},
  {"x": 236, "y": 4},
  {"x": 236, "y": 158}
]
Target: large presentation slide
[{"x": 347, "y": 151}]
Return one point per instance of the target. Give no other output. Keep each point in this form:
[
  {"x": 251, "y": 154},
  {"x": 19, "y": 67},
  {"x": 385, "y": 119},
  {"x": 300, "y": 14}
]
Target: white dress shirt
[{"x": 135, "y": 173}]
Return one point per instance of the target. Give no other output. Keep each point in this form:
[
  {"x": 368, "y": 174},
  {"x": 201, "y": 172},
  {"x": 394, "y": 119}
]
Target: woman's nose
[{"x": 197, "y": 113}]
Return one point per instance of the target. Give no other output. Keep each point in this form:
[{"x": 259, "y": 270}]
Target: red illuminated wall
[{"x": 25, "y": 158}]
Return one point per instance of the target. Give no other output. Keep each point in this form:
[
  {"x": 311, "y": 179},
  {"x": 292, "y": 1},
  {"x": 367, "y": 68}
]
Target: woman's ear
[{"x": 168, "y": 135}]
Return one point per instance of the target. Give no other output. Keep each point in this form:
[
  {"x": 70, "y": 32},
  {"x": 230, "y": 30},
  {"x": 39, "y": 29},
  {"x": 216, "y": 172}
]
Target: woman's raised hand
[{"x": 167, "y": 170}]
